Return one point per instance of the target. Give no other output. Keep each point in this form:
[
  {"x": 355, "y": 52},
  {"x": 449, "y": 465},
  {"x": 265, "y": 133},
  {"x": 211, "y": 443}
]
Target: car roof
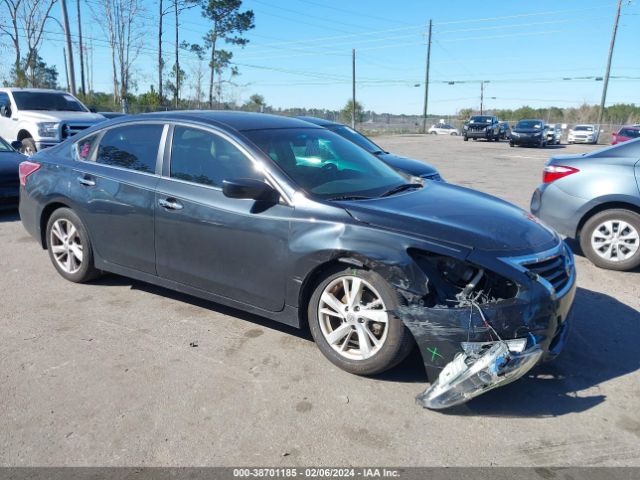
[
  {"x": 240, "y": 121},
  {"x": 35, "y": 90},
  {"x": 319, "y": 121},
  {"x": 630, "y": 127},
  {"x": 630, "y": 149}
]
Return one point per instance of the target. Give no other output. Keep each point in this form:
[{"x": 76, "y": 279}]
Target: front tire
[
  {"x": 350, "y": 320},
  {"x": 69, "y": 246},
  {"x": 28, "y": 147},
  {"x": 466, "y": 139},
  {"x": 611, "y": 239}
]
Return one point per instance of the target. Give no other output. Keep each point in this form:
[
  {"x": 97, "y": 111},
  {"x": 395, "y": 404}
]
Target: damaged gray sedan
[{"x": 276, "y": 217}]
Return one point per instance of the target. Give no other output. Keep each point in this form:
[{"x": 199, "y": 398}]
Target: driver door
[{"x": 236, "y": 248}]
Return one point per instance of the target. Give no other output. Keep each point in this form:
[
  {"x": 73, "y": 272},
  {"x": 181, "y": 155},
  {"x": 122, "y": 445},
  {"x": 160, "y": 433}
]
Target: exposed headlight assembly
[
  {"x": 48, "y": 129},
  {"x": 471, "y": 374}
]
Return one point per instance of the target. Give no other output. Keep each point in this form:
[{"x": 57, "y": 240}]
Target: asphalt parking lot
[{"x": 118, "y": 372}]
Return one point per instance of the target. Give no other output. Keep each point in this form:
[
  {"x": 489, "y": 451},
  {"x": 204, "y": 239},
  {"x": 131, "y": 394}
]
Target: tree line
[{"x": 125, "y": 26}]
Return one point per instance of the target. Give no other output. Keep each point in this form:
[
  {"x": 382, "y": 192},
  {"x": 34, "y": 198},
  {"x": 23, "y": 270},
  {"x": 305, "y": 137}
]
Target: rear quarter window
[{"x": 85, "y": 148}]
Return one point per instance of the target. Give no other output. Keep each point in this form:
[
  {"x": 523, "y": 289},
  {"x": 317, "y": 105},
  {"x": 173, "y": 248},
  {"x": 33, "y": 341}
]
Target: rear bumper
[{"x": 557, "y": 209}]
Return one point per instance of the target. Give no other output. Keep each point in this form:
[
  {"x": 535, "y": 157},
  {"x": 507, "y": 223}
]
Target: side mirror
[
  {"x": 93, "y": 110},
  {"x": 5, "y": 111},
  {"x": 16, "y": 145},
  {"x": 249, "y": 188}
]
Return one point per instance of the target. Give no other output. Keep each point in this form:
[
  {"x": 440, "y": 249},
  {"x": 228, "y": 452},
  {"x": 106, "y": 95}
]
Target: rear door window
[{"x": 134, "y": 147}]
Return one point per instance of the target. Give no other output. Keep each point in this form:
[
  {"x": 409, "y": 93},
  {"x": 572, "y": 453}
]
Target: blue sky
[{"x": 300, "y": 52}]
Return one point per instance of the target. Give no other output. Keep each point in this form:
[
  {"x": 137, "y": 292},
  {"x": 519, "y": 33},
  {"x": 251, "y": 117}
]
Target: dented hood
[{"x": 457, "y": 215}]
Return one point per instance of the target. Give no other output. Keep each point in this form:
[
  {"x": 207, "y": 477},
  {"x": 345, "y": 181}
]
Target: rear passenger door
[
  {"x": 235, "y": 248},
  {"x": 114, "y": 180}
]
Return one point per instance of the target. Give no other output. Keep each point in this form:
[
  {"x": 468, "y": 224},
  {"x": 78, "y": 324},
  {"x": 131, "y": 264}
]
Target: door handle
[
  {"x": 86, "y": 181},
  {"x": 170, "y": 204}
]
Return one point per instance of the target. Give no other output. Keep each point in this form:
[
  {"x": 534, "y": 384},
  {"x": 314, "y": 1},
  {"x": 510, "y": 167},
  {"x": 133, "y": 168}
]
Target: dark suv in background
[{"x": 482, "y": 126}]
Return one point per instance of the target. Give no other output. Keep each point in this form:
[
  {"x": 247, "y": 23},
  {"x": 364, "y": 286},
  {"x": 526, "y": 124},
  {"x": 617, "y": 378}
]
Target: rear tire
[
  {"x": 611, "y": 239},
  {"x": 340, "y": 335},
  {"x": 69, "y": 246},
  {"x": 466, "y": 139}
]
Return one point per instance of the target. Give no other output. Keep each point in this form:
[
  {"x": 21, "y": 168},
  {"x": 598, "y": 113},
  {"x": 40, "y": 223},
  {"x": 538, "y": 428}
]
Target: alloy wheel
[
  {"x": 353, "y": 318},
  {"x": 66, "y": 245},
  {"x": 615, "y": 240}
]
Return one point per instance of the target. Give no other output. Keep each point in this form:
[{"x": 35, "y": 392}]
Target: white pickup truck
[{"x": 40, "y": 118}]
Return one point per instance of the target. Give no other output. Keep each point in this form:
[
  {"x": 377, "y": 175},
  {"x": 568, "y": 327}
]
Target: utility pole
[
  {"x": 69, "y": 60},
  {"x": 66, "y": 71},
  {"x": 606, "y": 75},
  {"x": 83, "y": 85},
  {"x": 481, "y": 97},
  {"x": 175, "y": 4},
  {"x": 160, "y": 65},
  {"x": 353, "y": 88},
  {"x": 426, "y": 81}
]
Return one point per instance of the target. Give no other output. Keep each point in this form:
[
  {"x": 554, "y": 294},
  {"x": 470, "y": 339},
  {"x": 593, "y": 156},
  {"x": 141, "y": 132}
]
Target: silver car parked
[{"x": 595, "y": 198}]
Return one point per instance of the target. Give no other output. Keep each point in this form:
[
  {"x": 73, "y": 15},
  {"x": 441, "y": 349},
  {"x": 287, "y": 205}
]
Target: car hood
[
  {"x": 57, "y": 116},
  {"x": 409, "y": 165},
  {"x": 457, "y": 215}
]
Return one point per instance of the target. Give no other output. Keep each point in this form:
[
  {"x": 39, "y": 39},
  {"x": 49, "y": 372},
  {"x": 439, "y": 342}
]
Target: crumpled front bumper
[{"x": 467, "y": 377}]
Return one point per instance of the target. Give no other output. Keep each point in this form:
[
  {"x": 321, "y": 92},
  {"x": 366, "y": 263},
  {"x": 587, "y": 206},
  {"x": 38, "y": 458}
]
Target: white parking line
[{"x": 536, "y": 157}]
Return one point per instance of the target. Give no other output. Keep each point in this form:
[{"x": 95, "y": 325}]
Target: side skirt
[{"x": 288, "y": 316}]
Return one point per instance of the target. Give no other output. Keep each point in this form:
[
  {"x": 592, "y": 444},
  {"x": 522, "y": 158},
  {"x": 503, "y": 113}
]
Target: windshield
[
  {"x": 481, "y": 119},
  {"x": 325, "y": 164},
  {"x": 47, "y": 101},
  {"x": 583, "y": 128},
  {"x": 357, "y": 138},
  {"x": 629, "y": 133},
  {"x": 4, "y": 146},
  {"x": 529, "y": 124}
]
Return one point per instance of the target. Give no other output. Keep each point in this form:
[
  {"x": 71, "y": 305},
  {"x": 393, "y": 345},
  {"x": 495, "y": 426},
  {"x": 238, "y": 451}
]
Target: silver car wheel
[
  {"x": 353, "y": 318},
  {"x": 615, "y": 240},
  {"x": 66, "y": 245}
]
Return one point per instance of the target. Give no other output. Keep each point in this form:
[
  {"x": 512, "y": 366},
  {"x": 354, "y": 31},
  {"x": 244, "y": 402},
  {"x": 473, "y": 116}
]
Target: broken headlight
[
  {"x": 452, "y": 282},
  {"x": 471, "y": 374}
]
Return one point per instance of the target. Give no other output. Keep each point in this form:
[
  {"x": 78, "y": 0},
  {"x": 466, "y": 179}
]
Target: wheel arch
[
  {"x": 47, "y": 211},
  {"x": 22, "y": 134},
  {"x": 316, "y": 274},
  {"x": 601, "y": 207}
]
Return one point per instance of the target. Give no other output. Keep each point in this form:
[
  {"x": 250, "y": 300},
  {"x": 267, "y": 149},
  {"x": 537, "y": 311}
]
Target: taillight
[
  {"x": 552, "y": 173},
  {"x": 25, "y": 169}
]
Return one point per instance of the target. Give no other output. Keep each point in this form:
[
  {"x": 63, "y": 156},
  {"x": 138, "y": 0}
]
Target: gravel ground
[{"x": 104, "y": 374}]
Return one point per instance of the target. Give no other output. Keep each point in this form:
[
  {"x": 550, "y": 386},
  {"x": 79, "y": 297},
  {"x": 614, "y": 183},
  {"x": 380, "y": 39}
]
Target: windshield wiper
[
  {"x": 349, "y": 197},
  {"x": 401, "y": 188}
]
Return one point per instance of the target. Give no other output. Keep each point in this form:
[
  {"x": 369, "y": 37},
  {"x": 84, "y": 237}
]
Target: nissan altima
[{"x": 291, "y": 221}]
